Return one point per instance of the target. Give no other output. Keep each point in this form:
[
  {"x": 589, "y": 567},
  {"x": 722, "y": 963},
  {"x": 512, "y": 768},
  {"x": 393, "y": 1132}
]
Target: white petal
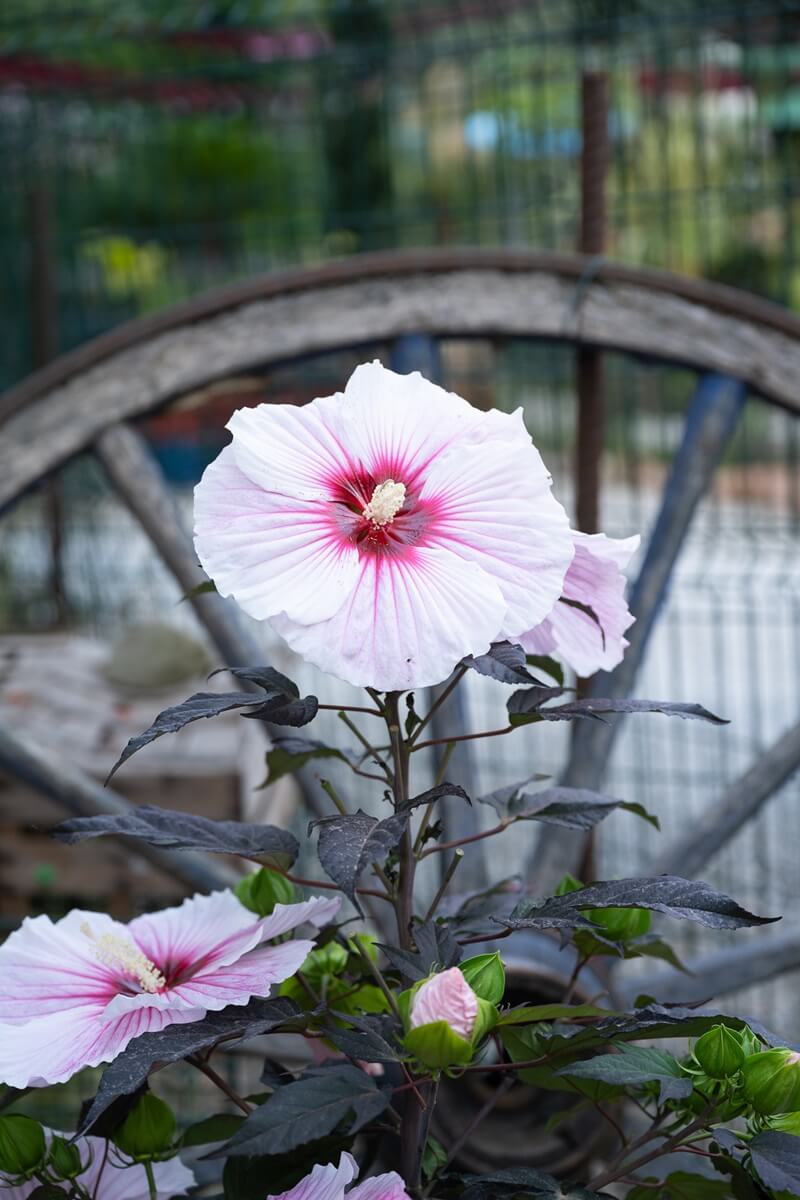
[
  {"x": 292, "y": 450},
  {"x": 106, "y": 1179},
  {"x": 271, "y": 553},
  {"x": 409, "y": 621},
  {"x": 253, "y": 975},
  {"x": 47, "y": 966},
  {"x": 53, "y": 1048},
  {"x": 397, "y": 424},
  {"x": 498, "y": 511},
  {"x": 215, "y": 930},
  {"x": 317, "y": 910},
  {"x": 324, "y": 1183},
  {"x": 381, "y": 1187},
  {"x": 594, "y": 579}
]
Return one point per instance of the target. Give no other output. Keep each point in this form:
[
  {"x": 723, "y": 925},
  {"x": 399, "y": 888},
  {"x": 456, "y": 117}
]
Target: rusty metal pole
[
  {"x": 44, "y": 347},
  {"x": 589, "y": 364}
]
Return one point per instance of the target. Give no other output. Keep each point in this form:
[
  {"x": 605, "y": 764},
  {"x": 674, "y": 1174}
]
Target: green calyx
[
  {"x": 148, "y": 1131},
  {"x": 437, "y": 1046},
  {"x": 486, "y": 975},
  {"x": 65, "y": 1158},
  {"x": 771, "y": 1082},
  {"x": 720, "y": 1052},
  {"x": 23, "y": 1148},
  {"x": 262, "y": 890}
]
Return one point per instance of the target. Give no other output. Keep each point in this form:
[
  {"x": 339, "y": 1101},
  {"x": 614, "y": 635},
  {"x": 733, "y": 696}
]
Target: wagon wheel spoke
[
  {"x": 689, "y": 852},
  {"x": 720, "y": 972},
  {"x": 139, "y": 481},
  {"x": 710, "y": 421},
  {"x": 83, "y": 796}
]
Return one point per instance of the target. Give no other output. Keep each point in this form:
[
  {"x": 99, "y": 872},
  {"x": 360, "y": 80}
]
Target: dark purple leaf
[{"x": 183, "y": 831}]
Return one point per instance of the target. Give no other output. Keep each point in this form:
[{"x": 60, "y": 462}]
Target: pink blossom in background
[
  {"x": 446, "y": 997},
  {"x": 105, "y": 1179},
  {"x": 75, "y": 992},
  {"x": 385, "y": 532},
  {"x": 329, "y": 1183},
  {"x": 594, "y": 579}
]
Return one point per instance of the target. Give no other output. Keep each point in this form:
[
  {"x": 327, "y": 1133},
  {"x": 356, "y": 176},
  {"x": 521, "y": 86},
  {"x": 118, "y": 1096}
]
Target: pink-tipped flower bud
[{"x": 446, "y": 997}]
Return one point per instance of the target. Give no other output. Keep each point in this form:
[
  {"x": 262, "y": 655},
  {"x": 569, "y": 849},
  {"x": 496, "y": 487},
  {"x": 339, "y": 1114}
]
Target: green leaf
[
  {"x": 549, "y": 666},
  {"x": 685, "y": 1185},
  {"x": 486, "y": 975},
  {"x": 292, "y": 752},
  {"x": 636, "y": 1065},
  {"x": 213, "y": 1129},
  {"x": 652, "y": 946},
  {"x": 530, "y": 1013},
  {"x": 263, "y": 889}
]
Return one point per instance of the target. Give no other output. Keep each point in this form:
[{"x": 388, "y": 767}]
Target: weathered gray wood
[
  {"x": 140, "y": 482},
  {"x": 60, "y": 413},
  {"x": 82, "y": 796},
  {"x": 718, "y": 973},
  {"x": 138, "y": 479},
  {"x": 743, "y": 800}
]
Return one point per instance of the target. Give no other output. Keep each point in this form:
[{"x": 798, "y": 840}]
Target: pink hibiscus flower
[
  {"x": 75, "y": 992},
  {"x": 446, "y": 997},
  {"x": 105, "y": 1178},
  {"x": 386, "y": 532},
  {"x": 329, "y": 1183},
  {"x": 595, "y": 580}
]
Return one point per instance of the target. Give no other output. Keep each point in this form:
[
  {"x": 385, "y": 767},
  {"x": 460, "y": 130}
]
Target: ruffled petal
[
  {"x": 53, "y": 1048},
  {"x": 396, "y": 425},
  {"x": 324, "y": 1183},
  {"x": 317, "y": 910},
  {"x": 253, "y": 975},
  {"x": 204, "y": 931},
  {"x": 595, "y": 580},
  {"x": 381, "y": 1187},
  {"x": 47, "y": 966},
  {"x": 496, "y": 509},
  {"x": 409, "y": 621},
  {"x": 292, "y": 451},
  {"x": 272, "y": 553}
]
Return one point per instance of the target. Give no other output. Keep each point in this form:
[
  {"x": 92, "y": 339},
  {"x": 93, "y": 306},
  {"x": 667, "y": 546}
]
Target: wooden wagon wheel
[{"x": 736, "y": 342}]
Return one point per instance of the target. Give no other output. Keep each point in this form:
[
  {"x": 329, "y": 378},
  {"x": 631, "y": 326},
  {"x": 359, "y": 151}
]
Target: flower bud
[
  {"x": 148, "y": 1130},
  {"x": 446, "y": 997},
  {"x": 65, "y": 1158},
  {"x": 22, "y": 1145},
  {"x": 720, "y": 1052},
  {"x": 621, "y": 924},
  {"x": 263, "y": 889},
  {"x": 772, "y": 1081},
  {"x": 443, "y": 1017}
]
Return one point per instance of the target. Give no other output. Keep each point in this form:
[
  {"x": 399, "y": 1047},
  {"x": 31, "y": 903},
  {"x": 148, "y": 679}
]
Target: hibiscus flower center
[
  {"x": 387, "y": 500},
  {"x": 123, "y": 955}
]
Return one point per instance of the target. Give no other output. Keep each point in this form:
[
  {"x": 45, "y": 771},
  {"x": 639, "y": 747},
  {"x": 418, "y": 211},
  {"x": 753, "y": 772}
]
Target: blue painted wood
[
  {"x": 712, "y": 417},
  {"x": 417, "y": 352}
]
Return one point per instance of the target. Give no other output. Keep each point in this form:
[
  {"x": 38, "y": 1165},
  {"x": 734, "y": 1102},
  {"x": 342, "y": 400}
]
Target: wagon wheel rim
[{"x": 86, "y": 399}]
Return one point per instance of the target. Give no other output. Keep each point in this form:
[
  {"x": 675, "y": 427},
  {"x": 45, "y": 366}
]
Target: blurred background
[{"x": 154, "y": 149}]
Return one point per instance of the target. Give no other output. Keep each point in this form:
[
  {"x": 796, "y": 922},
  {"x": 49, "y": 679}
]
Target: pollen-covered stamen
[
  {"x": 387, "y": 500},
  {"x": 123, "y": 955}
]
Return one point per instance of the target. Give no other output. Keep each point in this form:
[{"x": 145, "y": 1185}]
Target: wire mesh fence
[{"x": 152, "y": 150}]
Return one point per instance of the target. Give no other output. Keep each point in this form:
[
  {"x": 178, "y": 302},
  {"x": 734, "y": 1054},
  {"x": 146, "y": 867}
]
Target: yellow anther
[
  {"x": 387, "y": 500},
  {"x": 121, "y": 954}
]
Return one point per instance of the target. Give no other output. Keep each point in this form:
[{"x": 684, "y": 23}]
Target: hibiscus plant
[{"x": 398, "y": 539}]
